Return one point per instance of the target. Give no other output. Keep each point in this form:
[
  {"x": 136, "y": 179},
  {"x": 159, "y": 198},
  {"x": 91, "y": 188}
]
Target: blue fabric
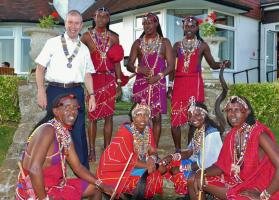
[
  {"x": 78, "y": 132},
  {"x": 183, "y": 165},
  {"x": 137, "y": 171}
]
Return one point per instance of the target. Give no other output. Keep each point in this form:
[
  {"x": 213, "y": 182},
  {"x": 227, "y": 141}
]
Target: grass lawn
[
  {"x": 276, "y": 133},
  {"x": 122, "y": 108},
  {"x": 6, "y": 138}
]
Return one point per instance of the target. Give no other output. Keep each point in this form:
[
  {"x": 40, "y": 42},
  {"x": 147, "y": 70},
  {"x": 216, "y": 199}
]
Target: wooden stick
[
  {"x": 202, "y": 167},
  {"x": 114, "y": 192}
]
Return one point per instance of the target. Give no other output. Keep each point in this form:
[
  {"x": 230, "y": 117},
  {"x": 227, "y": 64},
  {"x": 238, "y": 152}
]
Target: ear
[{"x": 55, "y": 111}]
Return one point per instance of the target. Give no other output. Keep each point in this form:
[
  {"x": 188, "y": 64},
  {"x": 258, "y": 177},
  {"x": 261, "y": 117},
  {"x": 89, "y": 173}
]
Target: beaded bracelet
[
  {"x": 161, "y": 74},
  {"x": 153, "y": 157},
  {"x": 265, "y": 195},
  {"x": 176, "y": 157},
  {"x": 98, "y": 183}
]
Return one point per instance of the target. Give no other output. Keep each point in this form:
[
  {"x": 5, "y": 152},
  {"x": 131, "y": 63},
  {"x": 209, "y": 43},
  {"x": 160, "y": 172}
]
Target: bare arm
[
  {"x": 169, "y": 57},
  {"x": 132, "y": 57},
  {"x": 210, "y": 60},
  {"x": 40, "y": 80},
  {"x": 272, "y": 151},
  {"x": 38, "y": 155},
  {"x": 89, "y": 86}
]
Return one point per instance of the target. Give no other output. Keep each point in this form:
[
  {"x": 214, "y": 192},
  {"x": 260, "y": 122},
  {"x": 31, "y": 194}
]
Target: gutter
[{"x": 231, "y": 4}]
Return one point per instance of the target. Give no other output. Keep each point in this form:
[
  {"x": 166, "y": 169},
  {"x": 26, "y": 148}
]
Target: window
[
  {"x": 7, "y": 45},
  {"x": 225, "y": 28},
  {"x": 26, "y": 61}
]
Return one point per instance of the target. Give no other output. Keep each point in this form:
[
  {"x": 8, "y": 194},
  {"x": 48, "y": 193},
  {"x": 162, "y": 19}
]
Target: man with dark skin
[
  {"x": 186, "y": 81},
  {"x": 153, "y": 52},
  {"x": 100, "y": 41}
]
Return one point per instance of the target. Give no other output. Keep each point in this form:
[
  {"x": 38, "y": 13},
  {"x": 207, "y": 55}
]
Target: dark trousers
[{"x": 78, "y": 132}]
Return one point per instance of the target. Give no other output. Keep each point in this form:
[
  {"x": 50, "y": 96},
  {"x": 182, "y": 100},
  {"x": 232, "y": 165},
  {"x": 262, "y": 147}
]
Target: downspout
[{"x": 259, "y": 47}]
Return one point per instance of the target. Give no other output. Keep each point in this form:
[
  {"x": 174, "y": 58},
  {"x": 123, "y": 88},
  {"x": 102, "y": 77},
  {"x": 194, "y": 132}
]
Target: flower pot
[
  {"x": 214, "y": 45},
  {"x": 39, "y": 36}
]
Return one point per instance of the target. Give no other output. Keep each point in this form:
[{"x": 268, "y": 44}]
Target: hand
[
  {"x": 253, "y": 194},
  {"x": 153, "y": 79},
  {"x": 91, "y": 103},
  {"x": 42, "y": 98},
  {"x": 145, "y": 71},
  {"x": 225, "y": 64},
  {"x": 169, "y": 93},
  {"x": 151, "y": 167},
  {"x": 118, "y": 91}
]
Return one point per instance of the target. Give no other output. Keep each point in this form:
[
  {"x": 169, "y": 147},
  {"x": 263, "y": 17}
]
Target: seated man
[
  {"x": 43, "y": 166},
  {"x": 5, "y": 64},
  {"x": 187, "y": 162},
  {"x": 134, "y": 139},
  {"x": 248, "y": 164}
]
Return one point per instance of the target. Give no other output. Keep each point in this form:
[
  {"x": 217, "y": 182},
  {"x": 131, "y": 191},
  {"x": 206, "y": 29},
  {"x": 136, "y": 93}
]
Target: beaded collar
[
  {"x": 141, "y": 141},
  {"x": 239, "y": 149},
  {"x": 66, "y": 51},
  {"x": 188, "y": 47},
  {"x": 101, "y": 41},
  {"x": 197, "y": 139}
]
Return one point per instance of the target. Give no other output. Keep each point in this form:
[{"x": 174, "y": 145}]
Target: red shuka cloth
[
  {"x": 104, "y": 82},
  {"x": 114, "y": 160},
  {"x": 52, "y": 178},
  {"x": 186, "y": 84},
  {"x": 254, "y": 173}
]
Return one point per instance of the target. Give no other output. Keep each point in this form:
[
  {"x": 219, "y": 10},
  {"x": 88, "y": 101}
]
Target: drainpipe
[{"x": 259, "y": 47}]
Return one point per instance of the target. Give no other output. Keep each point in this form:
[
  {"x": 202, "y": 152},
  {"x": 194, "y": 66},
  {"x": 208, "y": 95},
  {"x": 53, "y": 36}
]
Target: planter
[
  {"x": 214, "y": 45},
  {"x": 39, "y": 36}
]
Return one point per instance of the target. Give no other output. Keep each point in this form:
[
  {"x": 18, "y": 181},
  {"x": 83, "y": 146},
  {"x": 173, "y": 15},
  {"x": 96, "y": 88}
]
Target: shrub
[
  {"x": 264, "y": 98},
  {"x": 9, "y": 102}
]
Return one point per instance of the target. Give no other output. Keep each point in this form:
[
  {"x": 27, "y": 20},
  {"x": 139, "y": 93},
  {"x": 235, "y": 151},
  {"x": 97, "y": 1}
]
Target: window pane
[
  {"x": 223, "y": 19},
  {"x": 226, "y": 51},
  {"x": 26, "y": 61},
  {"x": 6, "y": 32},
  {"x": 7, "y": 51}
]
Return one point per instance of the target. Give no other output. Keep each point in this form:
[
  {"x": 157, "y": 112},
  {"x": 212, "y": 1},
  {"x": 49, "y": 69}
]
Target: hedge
[
  {"x": 9, "y": 102},
  {"x": 264, "y": 98}
]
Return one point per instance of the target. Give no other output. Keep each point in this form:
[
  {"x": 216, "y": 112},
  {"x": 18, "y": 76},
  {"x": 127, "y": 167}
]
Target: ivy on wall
[
  {"x": 9, "y": 100},
  {"x": 264, "y": 98}
]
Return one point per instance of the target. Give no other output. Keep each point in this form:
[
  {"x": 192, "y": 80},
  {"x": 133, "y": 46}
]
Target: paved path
[{"x": 9, "y": 169}]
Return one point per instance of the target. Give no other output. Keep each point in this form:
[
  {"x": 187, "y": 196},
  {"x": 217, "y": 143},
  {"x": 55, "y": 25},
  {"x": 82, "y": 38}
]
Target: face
[
  {"x": 101, "y": 19},
  {"x": 149, "y": 26},
  {"x": 196, "y": 118},
  {"x": 190, "y": 28},
  {"x": 237, "y": 114},
  {"x": 73, "y": 25},
  {"x": 140, "y": 120},
  {"x": 67, "y": 113}
]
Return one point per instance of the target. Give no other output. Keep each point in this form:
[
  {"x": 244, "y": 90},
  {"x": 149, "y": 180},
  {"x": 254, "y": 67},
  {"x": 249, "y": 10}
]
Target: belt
[{"x": 64, "y": 85}]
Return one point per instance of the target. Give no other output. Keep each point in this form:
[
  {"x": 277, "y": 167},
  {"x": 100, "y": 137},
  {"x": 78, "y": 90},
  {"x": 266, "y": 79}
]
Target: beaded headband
[
  {"x": 102, "y": 10},
  {"x": 142, "y": 107},
  {"x": 63, "y": 99},
  {"x": 236, "y": 99},
  {"x": 190, "y": 19},
  {"x": 193, "y": 106},
  {"x": 151, "y": 16}
]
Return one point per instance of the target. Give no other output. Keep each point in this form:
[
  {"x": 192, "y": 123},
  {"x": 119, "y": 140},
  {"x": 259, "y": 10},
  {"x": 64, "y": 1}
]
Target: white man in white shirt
[{"x": 65, "y": 64}]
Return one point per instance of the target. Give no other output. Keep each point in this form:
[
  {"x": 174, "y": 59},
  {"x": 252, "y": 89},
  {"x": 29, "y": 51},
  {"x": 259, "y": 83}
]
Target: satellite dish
[{"x": 64, "y": 6}]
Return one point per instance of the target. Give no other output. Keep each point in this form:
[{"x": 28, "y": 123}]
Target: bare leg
[
  {"x": 176, "y": 136},
  {"x": 107, "y": 130},
  {"x": 190, "y": 187},
  {"x": 92, "y": 131},
  {"x": 219, "y": 192},
  {"x": 157, "y": 124}
]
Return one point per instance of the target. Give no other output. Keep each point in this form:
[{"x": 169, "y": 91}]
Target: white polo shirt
[{"x": 53, "y": 58}]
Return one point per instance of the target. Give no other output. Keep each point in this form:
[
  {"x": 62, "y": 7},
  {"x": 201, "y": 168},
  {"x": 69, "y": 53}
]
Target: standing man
[
  {"x": 106, "y": 54},
  {"x": 155, "y": 58},
  {"x": 67, "y": 63},
  {"x": 186, "y": 81}
]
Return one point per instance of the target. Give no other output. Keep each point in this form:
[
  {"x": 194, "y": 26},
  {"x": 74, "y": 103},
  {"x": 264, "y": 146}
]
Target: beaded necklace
[
  {"x": 197, "y": 139},
  {"x": 66, "y": 51},
  {"x": 64, "y": 142},
  {"x": 141, "y": 141},
  {"x": 239, "y": 149},
  {"x": 101, "y": 41},
  {"x": 188, "y": 47}
]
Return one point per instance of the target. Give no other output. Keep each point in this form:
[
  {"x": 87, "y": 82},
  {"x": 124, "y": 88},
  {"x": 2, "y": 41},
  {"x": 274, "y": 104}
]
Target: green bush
[
  {"x": 9, "y": 106},
  {"x": 264, "y": 98}
]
